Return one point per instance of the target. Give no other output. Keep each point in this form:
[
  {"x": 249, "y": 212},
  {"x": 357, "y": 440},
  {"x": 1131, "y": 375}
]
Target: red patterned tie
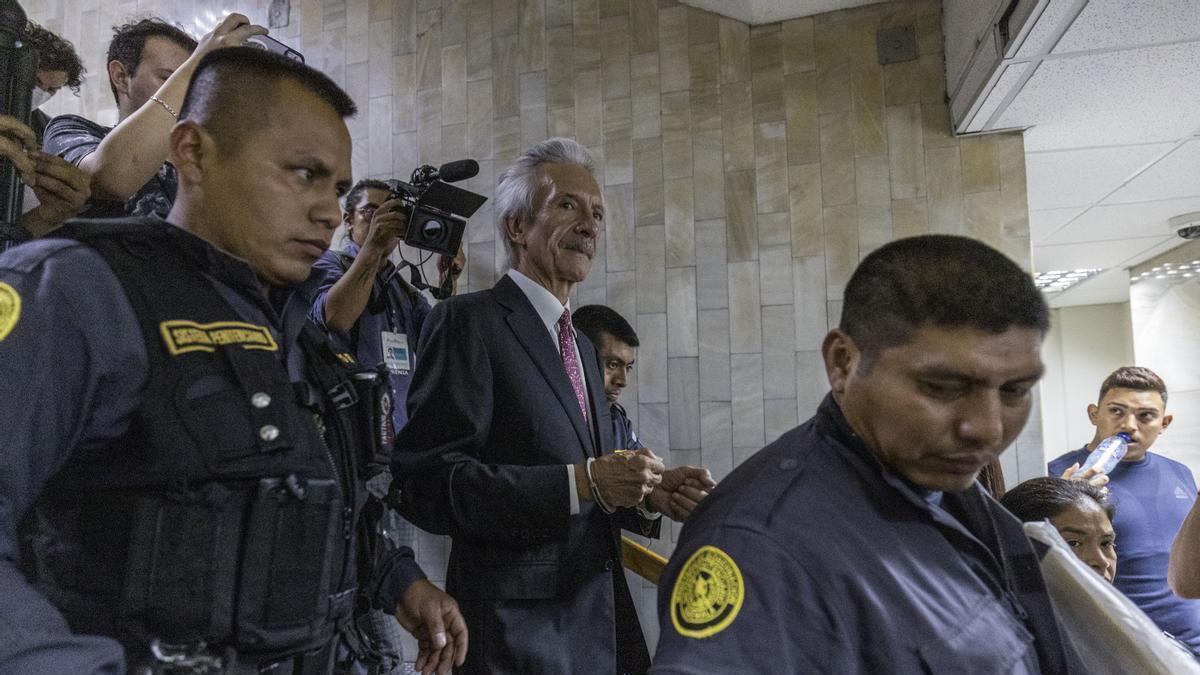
[{"x": 566, "y": 348}]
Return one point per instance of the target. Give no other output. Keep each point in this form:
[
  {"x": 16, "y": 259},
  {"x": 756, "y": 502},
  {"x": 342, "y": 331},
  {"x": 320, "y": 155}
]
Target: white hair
[{"x": 518, "y": 184}]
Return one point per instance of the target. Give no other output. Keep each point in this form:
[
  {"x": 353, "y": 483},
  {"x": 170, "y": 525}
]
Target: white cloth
[{"x": 1111, "y": 635}]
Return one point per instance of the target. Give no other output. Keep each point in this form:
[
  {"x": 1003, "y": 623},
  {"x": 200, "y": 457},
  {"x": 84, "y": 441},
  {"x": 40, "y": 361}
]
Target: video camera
[{"x": 437, "y": 211}]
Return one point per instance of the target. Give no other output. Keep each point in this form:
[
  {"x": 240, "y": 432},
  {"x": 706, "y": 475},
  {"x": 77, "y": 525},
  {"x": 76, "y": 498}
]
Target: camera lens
[{"x": 432, "y": 229}]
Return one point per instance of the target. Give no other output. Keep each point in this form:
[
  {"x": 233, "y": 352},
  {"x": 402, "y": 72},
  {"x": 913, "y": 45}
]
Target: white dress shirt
[{"x": 550, "y": 310}]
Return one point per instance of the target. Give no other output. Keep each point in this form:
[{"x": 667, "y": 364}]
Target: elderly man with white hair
[{"x": 509, "y": 446}]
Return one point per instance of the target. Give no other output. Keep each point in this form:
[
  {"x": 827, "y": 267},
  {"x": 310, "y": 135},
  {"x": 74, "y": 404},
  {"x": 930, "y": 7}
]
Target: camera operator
[
  {"x": 60, "y": 188},
  {"x": 150, "y": 63},
  {"x": 363, "y": 302},
  {"x": 368, "y": 309}
]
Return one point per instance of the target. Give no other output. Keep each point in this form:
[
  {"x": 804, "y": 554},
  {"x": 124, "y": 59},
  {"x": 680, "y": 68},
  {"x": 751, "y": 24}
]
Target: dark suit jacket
[{"x": 493, "y": 420}]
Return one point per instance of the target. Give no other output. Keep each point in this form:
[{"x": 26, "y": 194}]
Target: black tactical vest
[{"x": 226, "y": 513}]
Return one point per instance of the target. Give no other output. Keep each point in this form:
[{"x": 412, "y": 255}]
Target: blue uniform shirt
[
  {"x": 811, "y": 557},
  {"x": 73, "y": 367},
  {"x": 1152, "y": 495},
  {"x": 623, "y": 434},
  {"x": 395, "y": 307}
]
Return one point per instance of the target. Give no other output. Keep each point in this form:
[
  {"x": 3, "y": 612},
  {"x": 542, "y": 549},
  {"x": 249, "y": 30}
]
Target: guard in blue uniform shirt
[
  {"x": 183, "y": 447},
  {"x": 860, "y": 542},
  {"x": 616, "y": 346}
]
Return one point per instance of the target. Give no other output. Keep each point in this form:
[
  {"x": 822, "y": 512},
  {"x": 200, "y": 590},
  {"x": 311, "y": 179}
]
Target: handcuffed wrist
[{"x": 596, "y": 488}]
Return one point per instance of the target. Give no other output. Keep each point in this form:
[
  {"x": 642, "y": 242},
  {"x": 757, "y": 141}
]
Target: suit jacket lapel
[{"x": 525, "y": 323}]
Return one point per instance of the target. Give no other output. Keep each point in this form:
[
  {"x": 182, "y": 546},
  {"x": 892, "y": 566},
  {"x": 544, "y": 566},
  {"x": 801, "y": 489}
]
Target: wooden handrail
[{"x": 642, "y": 561}]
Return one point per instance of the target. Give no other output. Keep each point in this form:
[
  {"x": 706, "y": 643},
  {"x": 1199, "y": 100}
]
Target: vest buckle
[
  {"x": 342, "y": 395},
  {"x": 195, "y": 658}
]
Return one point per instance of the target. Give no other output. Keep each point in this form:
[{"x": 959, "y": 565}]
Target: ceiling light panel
[
  {"x": 1104, "y": 254},
  {"x": 1080, "y": 177},
  {"x": 1117, "y": 221},
  {"x": 1046, "y": 222},
  {"x": 1108, "y": 24},
  {"x": 1176, "y": 175},
  {"x": 1057, "y": 281},
  {"x": 1116, "y": 98},
  {"x": 1170, "y": 272}
]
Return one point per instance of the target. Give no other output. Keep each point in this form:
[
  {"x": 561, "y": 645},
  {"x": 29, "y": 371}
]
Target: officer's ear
[
  {"x": 191, "y": 149},
  {"x": 841, "y": 356}
]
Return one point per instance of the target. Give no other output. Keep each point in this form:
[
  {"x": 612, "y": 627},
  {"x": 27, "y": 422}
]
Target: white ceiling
[
  {"x": 1109, "y": 94},
  {"x": 755, "y": 12}
]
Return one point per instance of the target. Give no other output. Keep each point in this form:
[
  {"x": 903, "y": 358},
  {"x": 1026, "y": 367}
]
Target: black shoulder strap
[
  {"x": 327, "y": 368},
  {"x": 120, "y": 230}
]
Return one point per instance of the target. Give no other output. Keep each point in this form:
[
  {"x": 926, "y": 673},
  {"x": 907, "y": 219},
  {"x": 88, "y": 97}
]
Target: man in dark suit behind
[{"x": 508, "y": 446}]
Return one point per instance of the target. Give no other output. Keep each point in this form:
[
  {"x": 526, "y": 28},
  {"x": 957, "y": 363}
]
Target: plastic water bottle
[{"x": 1108, "y": 453}]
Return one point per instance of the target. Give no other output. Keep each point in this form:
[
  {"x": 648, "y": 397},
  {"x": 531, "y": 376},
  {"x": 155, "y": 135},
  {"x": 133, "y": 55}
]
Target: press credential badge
[{"x": 395, "y": 353}]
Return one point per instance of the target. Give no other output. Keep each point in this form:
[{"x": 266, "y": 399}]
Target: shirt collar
[
  {"x": 221, "y": 265},
  {"x": 236, "y": 272},
  {"x": 831, "y": 417},
  {"x": 350, "y": 247},
  {"x": 548, "y": 308}
]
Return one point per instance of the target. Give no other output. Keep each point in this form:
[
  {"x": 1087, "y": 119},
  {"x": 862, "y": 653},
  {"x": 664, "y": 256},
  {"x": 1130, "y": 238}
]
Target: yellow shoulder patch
[
  {"x": 708, "y": 594},
  {"x": 10, "y": 309},
  {"x": 184, "y": 336}
]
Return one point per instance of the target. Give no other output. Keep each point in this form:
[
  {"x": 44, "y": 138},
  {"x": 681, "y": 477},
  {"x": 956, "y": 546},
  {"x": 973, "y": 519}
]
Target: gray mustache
[{"x": 584, "y": 245}]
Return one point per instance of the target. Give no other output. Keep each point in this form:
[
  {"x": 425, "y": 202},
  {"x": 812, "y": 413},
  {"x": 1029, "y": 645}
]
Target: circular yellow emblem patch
[
  {"x": 708, "y": 594},
  {"x": 10, "y": 309}
]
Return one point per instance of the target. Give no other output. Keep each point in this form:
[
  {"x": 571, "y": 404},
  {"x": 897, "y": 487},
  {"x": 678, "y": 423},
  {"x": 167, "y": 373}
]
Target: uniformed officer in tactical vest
[{"x": 183, "y": 452}]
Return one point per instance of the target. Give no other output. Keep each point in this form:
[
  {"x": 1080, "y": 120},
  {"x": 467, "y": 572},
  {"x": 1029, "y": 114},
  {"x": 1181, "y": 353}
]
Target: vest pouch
[
  {"x": 232, "y": 431},
  {"x": 182, "y": 564},
  {"x": 292, "y": 538},
  {"x": 373, "y": 416}
]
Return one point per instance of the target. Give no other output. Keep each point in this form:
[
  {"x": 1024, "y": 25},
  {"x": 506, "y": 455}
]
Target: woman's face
[{"x": 1089, "y": 532}]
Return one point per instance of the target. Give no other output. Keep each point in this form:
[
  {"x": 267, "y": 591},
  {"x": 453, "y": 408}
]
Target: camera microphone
[{"x": 459, "y": 170}]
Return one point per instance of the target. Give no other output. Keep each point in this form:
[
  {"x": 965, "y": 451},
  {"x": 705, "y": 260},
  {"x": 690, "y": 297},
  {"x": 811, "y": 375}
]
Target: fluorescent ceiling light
[
  {"x": 1170, "y": 271},
  {"x": 1056, "y": 281}
]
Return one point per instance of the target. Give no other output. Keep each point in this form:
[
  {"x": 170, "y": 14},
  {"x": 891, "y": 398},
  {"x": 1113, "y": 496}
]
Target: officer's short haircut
[
  {"x": 352, "y": 197},
  {"x": 232, "y": 92},
  {"x": 1045, "y": 497},
  {"x": 937, "y": 280},
  {"x": 596, "y": 320},
  {"x": 130, "y": 38},
  {"x": 1135, "y": 378}
]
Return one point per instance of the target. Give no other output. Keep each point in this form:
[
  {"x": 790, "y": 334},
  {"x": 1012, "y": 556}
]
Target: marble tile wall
[{"x": 746, "y": 171}]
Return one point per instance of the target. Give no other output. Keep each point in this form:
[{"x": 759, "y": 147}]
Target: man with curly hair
[{"x": 59, "y": 66}]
